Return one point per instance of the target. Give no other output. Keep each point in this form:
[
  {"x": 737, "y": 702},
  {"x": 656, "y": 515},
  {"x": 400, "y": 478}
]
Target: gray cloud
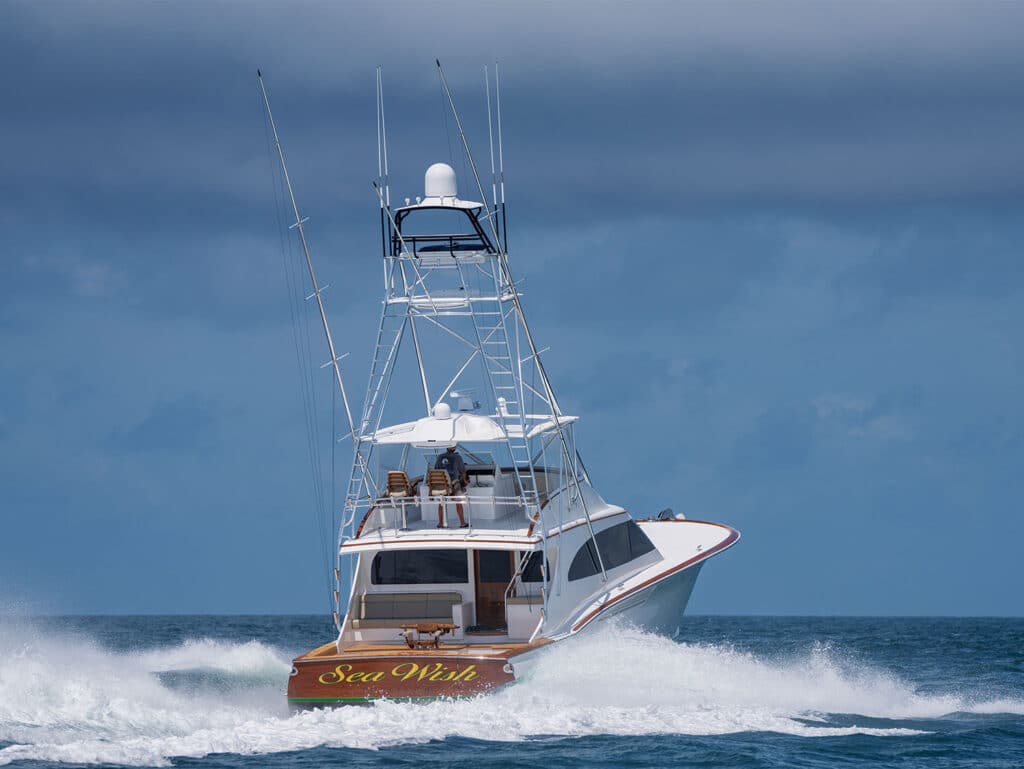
[
  {"x": 148, "y": 151},
  {"x": 787, "y": 105},
  {"x": 185, "y": 424},
  {"x": 931, "y": 256},
  {"x": 785, "y": 235}
]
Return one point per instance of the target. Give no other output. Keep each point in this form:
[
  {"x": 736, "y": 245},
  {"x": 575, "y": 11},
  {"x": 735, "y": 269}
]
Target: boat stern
[{"x": 324, "y": 677}]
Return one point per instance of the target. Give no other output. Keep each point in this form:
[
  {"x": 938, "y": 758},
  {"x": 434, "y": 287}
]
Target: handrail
[
  {"x": 401, "y": 505},
  {"x": 518, "y": 574},
  {"x": 451, "y": 240},
  {"x": 362, "y": 523}
]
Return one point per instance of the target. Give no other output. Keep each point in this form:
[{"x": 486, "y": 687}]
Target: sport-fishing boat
[{"x": 472, "y": 535}]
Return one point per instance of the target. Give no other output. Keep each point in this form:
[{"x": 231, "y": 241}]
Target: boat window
[
  {"x": 494, "y": 566},
  {"x": 440, "y": 229},
  {"x": 531, "y": 572},
  {"x": 414, "y": 567},
  {"x": 617, "y": 544},
  {"x": 639, "y": 543}
]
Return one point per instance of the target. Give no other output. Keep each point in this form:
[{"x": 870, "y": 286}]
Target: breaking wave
[{"x": 67, "y": 699}]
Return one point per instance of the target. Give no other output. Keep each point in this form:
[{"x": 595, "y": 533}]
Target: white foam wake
[{"x": 68, "y": 700}]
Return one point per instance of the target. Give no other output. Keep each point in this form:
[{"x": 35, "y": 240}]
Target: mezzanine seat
[{"x": 383, "y": 610}]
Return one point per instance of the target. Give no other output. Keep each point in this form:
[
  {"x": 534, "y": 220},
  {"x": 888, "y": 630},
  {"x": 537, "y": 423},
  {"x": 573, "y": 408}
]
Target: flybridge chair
[
  {"x": 398, "y": 484},
  {"x": 399, "y": 489},
  {"x": 440, "y": 485}
]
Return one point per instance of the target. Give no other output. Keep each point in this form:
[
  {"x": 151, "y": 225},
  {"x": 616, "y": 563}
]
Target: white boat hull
[{"x": 658, "y": 608}]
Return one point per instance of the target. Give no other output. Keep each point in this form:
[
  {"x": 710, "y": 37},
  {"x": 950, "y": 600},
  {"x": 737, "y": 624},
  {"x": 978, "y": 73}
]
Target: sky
[{"x": 774, "y": 249}]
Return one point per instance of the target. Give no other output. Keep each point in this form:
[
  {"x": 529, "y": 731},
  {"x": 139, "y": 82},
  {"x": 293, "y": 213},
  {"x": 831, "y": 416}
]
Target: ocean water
[{"x": 730, "y": 692}]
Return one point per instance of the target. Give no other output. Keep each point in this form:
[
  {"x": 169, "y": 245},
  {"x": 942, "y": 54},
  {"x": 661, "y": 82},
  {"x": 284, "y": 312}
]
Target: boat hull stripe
[{"x": 729, "y": 540}]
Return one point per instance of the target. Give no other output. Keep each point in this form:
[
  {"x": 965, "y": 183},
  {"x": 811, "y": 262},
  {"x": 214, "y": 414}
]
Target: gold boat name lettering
[{"x": 436, "y": 672}]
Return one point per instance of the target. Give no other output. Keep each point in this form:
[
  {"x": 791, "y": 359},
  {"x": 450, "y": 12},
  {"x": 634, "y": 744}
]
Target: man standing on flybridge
[{"x": 451, "y": 462}]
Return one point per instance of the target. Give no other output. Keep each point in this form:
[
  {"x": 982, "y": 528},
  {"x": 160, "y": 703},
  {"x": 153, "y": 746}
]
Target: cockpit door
[{"x": 493, "y": 571}]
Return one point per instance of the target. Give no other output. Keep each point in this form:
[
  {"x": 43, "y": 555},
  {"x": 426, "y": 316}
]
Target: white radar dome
[
  {"x": 442, "y": 411},
  {"x": 440, "y": 181}
]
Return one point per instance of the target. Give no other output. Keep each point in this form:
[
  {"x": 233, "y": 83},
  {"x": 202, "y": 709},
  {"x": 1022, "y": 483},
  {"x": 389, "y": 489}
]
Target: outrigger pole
[
  {"x": 335, "y": 358},
  {"x": 534, "y": 353},
  {"x": 299, "y": 221}
]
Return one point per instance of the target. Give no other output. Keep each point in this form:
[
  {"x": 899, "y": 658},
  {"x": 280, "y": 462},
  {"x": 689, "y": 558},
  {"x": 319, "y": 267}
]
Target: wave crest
[{"x": 66, "y": 699}]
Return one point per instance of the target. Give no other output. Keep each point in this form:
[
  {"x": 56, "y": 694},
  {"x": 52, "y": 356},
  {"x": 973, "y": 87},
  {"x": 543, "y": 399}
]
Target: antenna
[
  {"x": 380, "y": 156},
  {"x": 501, "y": 159},
  {"x": 380, "y": 177},
  {"x": 384, "y": 136},
  {"x": 490, "y": 137},
  {"x": 383, "y": 172}
]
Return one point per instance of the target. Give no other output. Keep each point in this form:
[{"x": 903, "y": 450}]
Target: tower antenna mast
[
  {"x": 490, "y": 140},
  {"x": 501, "y": 160},
  {"x": 383, "y": 171}
]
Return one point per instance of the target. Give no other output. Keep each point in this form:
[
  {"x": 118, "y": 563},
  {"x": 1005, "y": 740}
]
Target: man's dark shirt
[{"x": 451, "y": 462}]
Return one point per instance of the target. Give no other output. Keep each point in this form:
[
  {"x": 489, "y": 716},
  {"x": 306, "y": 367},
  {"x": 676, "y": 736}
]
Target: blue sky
[{"x": 775, "y": 249}]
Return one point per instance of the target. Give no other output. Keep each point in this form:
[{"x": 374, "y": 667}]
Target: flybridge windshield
[
  {"x": 438, "y": 229},
  {"x": 418, "y": 463}
]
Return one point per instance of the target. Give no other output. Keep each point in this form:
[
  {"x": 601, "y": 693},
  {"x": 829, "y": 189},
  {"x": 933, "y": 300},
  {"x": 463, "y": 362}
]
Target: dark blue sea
[{"x": 731, "y": 692}]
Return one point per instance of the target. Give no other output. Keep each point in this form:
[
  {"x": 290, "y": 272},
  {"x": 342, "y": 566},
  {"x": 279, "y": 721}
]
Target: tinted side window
[
  {"x": 531, "y": 572},
  {"x": 584, "y": 564},
  {"x": 613, "y": 545},
  {"x": 639, "y": 543},
  {"x": 414, "y": 567},
  {"x": 618, "y": 545}
]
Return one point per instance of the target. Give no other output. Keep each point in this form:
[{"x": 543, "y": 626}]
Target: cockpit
[
  {"x": 420, "y": 492},
  {"x": 482, "y": 485}
]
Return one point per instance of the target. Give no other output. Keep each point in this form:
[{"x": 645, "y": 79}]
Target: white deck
[
  {"x": 498, "y": 521},
  {"x": 509, "y": 532}
]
